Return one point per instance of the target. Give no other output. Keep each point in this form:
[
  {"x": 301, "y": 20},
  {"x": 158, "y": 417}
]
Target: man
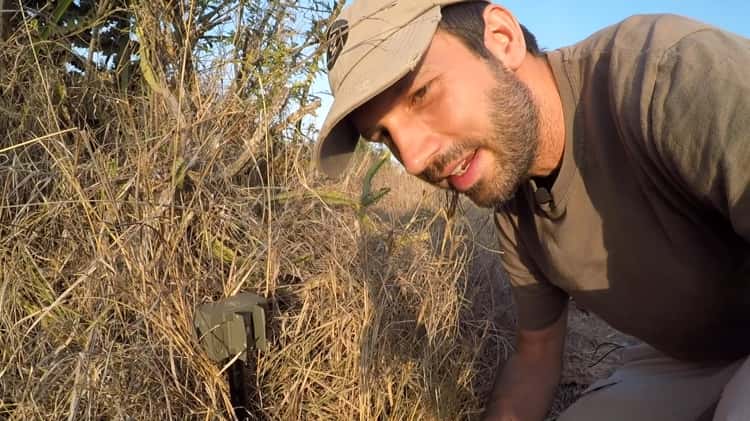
[{"x": 619, "y": 169}]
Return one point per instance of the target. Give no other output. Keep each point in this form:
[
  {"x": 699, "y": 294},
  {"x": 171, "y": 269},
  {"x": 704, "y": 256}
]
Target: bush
[{"x": 133, "y": 192}]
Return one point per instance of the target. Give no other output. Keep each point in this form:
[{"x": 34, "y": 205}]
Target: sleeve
[
  {"x": 538, "y": 302},
  {"x": 700, "y": 115}
]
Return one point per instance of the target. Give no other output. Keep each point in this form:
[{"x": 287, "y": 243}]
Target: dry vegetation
[{"x": 133, "y": 192}]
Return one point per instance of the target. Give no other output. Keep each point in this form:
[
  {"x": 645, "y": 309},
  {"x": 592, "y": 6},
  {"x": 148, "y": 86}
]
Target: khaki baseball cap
[{"x": 371, "y": 45}]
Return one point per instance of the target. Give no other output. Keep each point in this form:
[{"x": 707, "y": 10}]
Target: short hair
[{"x": 466, "y": 22}]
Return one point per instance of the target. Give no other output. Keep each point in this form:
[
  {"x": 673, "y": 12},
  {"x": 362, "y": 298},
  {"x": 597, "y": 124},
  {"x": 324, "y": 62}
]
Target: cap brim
[{"x": 390, "y": 59}]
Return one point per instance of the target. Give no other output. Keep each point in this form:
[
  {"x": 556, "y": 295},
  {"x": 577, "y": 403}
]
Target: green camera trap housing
[{"x": 232, "y": 326}]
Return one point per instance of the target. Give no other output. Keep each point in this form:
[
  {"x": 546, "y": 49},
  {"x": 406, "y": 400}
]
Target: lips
[
  {"x": 462, "y": 167},
  {"x": 463, "y": 174}
]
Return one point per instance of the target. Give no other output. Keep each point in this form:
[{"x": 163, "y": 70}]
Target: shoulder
[
  {"x": 636, "y": 36},
  {"x": 622, "y": 62},
  {"x": 700, "y": 112}
]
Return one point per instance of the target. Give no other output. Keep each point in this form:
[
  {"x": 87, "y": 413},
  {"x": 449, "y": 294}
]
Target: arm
[{"x": 526, "y": 386}]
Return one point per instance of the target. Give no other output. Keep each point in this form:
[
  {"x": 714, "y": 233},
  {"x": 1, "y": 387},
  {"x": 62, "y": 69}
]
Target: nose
[{"x": 416, "y": 147}]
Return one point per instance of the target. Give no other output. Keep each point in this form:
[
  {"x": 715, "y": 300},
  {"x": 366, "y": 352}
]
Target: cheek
[
  {"x": 462, "y": 111},
  {"x": 447, "y": 117}
]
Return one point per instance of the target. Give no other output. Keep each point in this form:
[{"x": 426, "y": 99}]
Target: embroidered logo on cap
[{"x": 337, "y": 36}]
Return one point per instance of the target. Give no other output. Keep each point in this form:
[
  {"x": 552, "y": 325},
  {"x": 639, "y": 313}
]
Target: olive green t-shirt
[{"x": 648, "y": 221}]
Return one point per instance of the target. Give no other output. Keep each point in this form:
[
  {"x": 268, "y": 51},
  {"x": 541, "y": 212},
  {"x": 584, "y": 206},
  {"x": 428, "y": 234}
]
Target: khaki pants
[{"x": 653, "y": 387}]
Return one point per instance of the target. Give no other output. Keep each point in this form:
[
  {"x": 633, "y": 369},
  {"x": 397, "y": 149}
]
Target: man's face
[{"x": 459, "y": 122}]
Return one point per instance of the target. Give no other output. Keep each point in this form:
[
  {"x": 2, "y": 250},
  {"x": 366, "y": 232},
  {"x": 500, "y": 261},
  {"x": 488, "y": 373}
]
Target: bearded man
[{"x": 618, "y": 169}]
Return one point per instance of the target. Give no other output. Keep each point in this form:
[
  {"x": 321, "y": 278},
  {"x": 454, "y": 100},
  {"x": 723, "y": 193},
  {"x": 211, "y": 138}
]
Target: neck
[{"x": 537, "y": 74}]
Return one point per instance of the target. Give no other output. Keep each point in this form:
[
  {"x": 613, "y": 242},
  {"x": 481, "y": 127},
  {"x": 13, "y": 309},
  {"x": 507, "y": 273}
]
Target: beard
[{"x": 512, "y": 143}]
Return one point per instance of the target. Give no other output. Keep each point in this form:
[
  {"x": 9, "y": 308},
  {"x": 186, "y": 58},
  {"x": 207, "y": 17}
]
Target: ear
[{"x": 503, "y": 36}]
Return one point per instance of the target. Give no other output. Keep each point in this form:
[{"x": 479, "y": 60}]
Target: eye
[
  {"x": 420, "y": 94},
  {"x": 382, "y": 137}
]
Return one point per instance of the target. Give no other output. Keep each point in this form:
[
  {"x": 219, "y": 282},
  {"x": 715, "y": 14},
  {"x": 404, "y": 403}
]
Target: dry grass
[
  {"x": 110, "y": 238},
  {"x": 113, "y": 231}
]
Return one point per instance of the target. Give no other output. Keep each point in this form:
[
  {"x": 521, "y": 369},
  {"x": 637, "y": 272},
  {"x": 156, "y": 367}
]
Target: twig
[
  {"x": 38, "y": 139},
  {"x": 614, "y": 346}
]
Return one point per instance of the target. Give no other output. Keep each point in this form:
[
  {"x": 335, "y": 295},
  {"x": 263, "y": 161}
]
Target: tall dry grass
[
  {"x": 107, "y": 249},
  {"x": 122, "y": 210}
]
